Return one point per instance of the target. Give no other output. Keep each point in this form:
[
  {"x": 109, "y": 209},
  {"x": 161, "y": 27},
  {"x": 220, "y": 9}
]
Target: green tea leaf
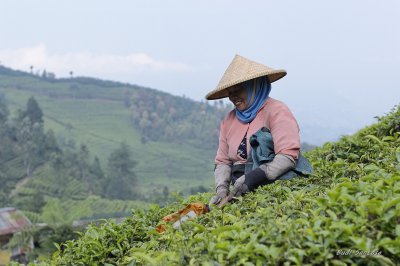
[
  {"x": 371, "y": 167},
  {"x": 332, "y": 215},
  {"x": 398, "y": 154},
  {"x": 374, "y": 138},
  {"x": 224, "y": 228}
]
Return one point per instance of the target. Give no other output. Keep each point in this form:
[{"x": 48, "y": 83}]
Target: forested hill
[{"x": 173, "y": 139}]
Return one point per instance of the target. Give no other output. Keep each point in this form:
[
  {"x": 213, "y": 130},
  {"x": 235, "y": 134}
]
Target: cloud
[{"x": 86, "y": 63}]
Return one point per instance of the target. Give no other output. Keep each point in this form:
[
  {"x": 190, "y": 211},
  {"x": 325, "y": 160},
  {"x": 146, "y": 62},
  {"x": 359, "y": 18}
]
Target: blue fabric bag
[{"x": 262, "y": 151}]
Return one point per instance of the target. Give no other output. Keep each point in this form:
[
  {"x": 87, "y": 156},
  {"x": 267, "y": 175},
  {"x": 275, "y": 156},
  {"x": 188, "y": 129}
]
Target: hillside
[
  {"x": 102, "y": 114},
  {"x": 347, "y": 212}
]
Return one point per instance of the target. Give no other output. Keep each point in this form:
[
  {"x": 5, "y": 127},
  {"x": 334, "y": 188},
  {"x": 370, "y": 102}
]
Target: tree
[
  {"x": 121, "y": 178},
  {"x": 83, "y": 165},
  {"x": 97, "y": 176},
  {"x": 54, "y": 213},
  {"x": 44, "y": 74},
  {"x": 51, "y": 142},
  {"x": 30, "y": 135},
  {"x": 25, "y": 136},
  {"x": 165, "y": 193},
  {"x": 33, "y": 112},
  {"x": 3, "y": 109},
  {"x": 95, "y": 168},
  {"x": 54, "y": 234},
  {"x": 51, "y": 75},
  {"x": 31, "y": 201}
]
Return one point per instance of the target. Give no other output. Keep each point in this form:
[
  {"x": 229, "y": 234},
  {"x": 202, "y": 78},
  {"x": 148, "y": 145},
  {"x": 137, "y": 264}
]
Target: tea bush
[{"x": 346, "y": 213}]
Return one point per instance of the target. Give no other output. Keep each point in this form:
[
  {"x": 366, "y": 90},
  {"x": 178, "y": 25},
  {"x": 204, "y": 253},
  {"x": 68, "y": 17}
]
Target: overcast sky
[{"x": 342, "y": 57}]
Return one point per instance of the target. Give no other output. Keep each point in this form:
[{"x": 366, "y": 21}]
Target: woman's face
[{"x": 238, "y": 96}]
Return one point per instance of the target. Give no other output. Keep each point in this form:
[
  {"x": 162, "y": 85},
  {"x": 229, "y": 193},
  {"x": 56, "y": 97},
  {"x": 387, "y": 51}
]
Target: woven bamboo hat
[{"x": 240, "y": 70}]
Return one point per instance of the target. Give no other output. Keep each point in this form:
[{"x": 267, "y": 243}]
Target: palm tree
[
  {"x": 31, "y": 67},
  {"x": 71, "y": 73}
]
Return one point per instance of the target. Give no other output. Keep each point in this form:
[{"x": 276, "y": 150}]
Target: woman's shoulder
[
  {"x": 230, "y": 115},
  {"x": 273, "y": 105},
  {"x": 229, "y": 118},
  {"x": 271, "y": 102}
]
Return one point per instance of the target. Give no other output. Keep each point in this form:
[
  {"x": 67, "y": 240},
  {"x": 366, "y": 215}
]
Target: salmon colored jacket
[{"x": 274, "y": 115}]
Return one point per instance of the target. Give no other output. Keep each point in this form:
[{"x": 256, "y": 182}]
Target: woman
[{"x": 247, "y": 84}]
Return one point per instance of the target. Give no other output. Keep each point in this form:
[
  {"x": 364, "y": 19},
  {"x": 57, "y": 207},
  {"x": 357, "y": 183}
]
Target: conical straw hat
[{"x": 242, "y": 69}]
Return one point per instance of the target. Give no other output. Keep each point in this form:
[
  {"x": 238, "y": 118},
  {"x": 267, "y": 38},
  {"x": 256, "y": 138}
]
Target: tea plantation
[{"x": 346, "y": 213}]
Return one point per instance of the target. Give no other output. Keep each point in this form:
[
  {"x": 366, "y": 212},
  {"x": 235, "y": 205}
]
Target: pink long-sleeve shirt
[{"x": 274, "y": 115}]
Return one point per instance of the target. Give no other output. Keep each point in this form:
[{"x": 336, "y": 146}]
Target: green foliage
[
  {"x": 29, "y": 200},
  {"x": 24, "y": 147},
  {"x": 48, "y": 239},
  {"x": 22, "y": 238},
  {"x": 169, "y": 118},
  {"x": 55, "y": 185},
  {"x": 121, "y": 180},
  {"x": 33, "y": 111},
  {"x": 4, "y": 112},
  {"x": 350, "y": 204}
]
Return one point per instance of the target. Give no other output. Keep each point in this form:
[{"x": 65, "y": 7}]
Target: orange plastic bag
[{"x": 190, "y": 211}]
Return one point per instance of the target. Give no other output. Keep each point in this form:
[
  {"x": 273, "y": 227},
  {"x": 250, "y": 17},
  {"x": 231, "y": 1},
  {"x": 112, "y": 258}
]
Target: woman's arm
[
  {"x": 281, "y": 164},
  {"x": 222, "y": 172},
  {"x": 285, "y": 131},
  {"x": 264, "y": 174},
  {"x": 223, "y": 168}
]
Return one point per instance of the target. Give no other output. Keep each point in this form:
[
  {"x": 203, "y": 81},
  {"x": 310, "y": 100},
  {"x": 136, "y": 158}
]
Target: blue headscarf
[{"x": 257, "y": 92}]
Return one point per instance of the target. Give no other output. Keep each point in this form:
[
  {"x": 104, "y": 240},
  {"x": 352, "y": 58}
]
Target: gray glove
[
  {"x": 239, "y": 188},
  {"x": 222, "y": 176},
  {"x": 221, "y": 193},
  {"x": 266, "y": 172}
]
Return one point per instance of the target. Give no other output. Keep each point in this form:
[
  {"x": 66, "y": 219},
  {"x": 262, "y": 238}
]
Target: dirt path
[{"x": 19, "y": 184}]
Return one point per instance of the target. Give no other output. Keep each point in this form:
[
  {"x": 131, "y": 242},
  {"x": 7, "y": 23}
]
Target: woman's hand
[
  {"x": 239, "y": 188},
  {"x": 222, "y": 192}
]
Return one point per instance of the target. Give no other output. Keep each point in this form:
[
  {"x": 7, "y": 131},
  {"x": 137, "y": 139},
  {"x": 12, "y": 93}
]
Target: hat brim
[{"x": 222, "y": 91}]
